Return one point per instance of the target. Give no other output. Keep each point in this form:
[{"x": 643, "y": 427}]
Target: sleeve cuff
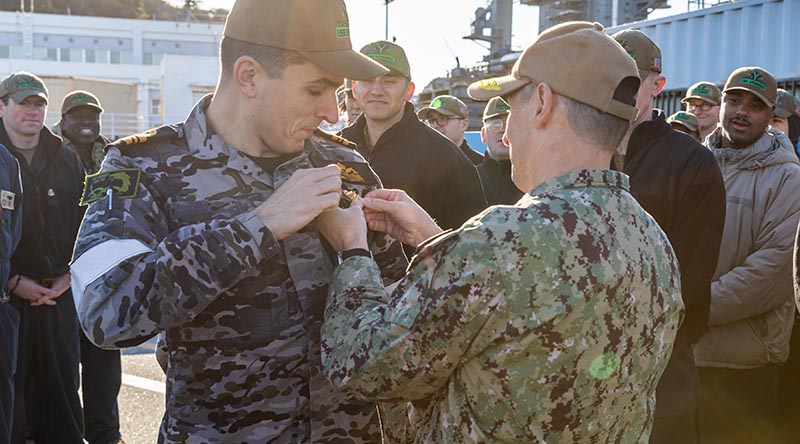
[
  {"x": 262, "y": 236},
  {"x": 357, "y": 271}
]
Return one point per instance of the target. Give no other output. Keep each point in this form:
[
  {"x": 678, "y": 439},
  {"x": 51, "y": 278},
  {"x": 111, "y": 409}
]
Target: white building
[{"x": 171, "y": 64}]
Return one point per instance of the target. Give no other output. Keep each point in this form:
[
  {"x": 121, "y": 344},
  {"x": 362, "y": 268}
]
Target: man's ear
[
  {"x": 410, "y": 91},
  {"x": 245, "y": 71},
  {"x": 483, "y": 135},
  {"x": 543, "y": 96},
  {"x": 464, "y": 124},
  {"x": 660, "y": 83}
]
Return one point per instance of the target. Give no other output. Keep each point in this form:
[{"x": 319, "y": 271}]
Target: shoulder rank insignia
[
  {"x": 334, "y": 138},
  {"x": 161, "y": 133},
  {"x": 123, "y": 184},
  {"x": 350, "y": 172}
]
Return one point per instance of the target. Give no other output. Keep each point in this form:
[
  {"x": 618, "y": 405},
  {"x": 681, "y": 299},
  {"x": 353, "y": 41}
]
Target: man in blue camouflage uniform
[
  {"x": 206, "y": 231},
  {"x": 10, "y": 231},
  {"x": 547, "y": 321}
]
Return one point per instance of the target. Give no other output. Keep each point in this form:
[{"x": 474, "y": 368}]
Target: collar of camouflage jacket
[
  {"x": 205, "y": 143},
  {"x": 584, "y": 179}
]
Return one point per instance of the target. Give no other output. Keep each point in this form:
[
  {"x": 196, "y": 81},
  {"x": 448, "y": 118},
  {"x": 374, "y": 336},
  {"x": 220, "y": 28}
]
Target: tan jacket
[{"x": 752, "y": 308}]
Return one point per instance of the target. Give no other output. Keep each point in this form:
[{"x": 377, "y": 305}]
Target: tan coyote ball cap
[
  {"x": 578, "y": 60},
  {"x": 317, "y": 29},
  {"x": 755, "y": 80}
]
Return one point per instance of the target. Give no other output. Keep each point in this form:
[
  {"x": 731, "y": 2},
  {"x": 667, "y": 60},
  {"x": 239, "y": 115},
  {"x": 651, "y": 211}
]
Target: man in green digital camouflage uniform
[
  {"x": 547, "y": 321},
  {"x": 205, "y": 231}
]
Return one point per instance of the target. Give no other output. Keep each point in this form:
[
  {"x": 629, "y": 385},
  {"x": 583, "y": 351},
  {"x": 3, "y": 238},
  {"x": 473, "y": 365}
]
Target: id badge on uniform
[{"x": 7, "y": 200}]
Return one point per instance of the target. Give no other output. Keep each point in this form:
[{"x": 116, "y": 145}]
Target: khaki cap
[
  {"x": 21, "y": 85},
  {"x": 755, "y": 80},
  {"x": 390, "y": 55},
  {"x": 786, "y": 104},
  {"x": 643, "y": 50},
  {"x": 495, "y": 108},
  {"x": 705, "y": 91},
  {"x": 77, "y": 99},
  {"x": 685, "y": 119},
  {"x": 578, "y": 60},
  {"x": 449, "y": 106},
  {"x": 318, "y": 30}
]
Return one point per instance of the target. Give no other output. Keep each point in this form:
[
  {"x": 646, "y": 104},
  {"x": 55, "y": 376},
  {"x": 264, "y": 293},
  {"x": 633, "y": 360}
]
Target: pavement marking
[{"x": 144, "y": 383}]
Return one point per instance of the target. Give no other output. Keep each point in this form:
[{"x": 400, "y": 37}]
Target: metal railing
[{"x": 114, "y": 125}]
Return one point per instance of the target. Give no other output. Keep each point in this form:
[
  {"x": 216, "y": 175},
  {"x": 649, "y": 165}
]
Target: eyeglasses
[
  {"x": 705, "y": 106},
  {"x": 440, "y": 121},
  {"x": 495, "y": 125}
]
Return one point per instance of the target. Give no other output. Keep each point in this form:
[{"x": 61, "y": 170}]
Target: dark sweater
[
  {"x": 497, "y": 184},
  {"x": 475, "y": 157},
  {"x": 678, "y": 181},
  {"x": 50, "y": 213},
  {"x": 416, "y": 158}
]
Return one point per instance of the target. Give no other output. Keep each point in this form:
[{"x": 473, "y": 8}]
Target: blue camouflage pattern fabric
[
  {"x": 240, "y": 313},
  {"x": 547, "y": 321}
]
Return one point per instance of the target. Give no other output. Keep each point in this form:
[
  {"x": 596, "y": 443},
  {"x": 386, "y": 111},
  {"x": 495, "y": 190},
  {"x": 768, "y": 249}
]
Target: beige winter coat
[{"x": 752, "y": 300}]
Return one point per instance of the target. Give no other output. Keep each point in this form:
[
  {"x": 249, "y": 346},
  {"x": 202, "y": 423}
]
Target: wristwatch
[{"x": 347, "y": 254}]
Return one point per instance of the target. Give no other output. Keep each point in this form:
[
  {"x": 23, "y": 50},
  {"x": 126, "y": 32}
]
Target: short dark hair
[
  {"x": 4, "y": 99},
  {"x": 273, "y": 60}
]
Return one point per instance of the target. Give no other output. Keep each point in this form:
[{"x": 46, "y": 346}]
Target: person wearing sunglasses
[
  {"x": 495, "y": 170},
  {"x": 703, "y": 99}
]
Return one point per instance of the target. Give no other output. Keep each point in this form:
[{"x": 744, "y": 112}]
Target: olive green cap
[
  {"x": 21, "y": 85},
  {"x": 577, "y": 60},
  {"x": 80, "y": 98},
  {"x": 390, "y": 55},
  {"x": 685, "y": 119},
  {"x": 449, "y": 106},
  {"x": 705, "y": 91},
  {"x": 317, "y": 29},
  {"x": 786, "y": 104},
  {"x": 495, "y": 108},
  {"x": 754, "y": 80},
  {"x": 644, "y": 50}
]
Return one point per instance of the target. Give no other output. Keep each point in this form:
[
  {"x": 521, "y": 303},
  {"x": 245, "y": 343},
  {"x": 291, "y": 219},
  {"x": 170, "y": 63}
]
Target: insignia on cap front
[
  {"x": 754, "y": 79},
  {"x": 489, "y": 85}
]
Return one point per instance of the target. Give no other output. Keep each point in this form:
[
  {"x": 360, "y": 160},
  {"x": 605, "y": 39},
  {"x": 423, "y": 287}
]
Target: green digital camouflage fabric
[
  {"x": 240, "y": 313},
  {"x": 547, "y": 321},
  {"x": 91, "y": 161}
]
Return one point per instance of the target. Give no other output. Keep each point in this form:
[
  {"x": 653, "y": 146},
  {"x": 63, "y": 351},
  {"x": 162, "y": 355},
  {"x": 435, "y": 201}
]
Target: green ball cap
[
  {"x": 317, "y": 29},
  {"x": 448, "y": 106},
  {"x": 705, "y": 91},
  {"x": 495, "y": 108},
  {"x": 79, "y": 98},
  {"x": 685, "y": 119},
  {"x": 390, "y": 55},
  {"x": 755, "y": 80},
  {"x": 21, "y": 85},
  {"x": 786, "y": 104}
]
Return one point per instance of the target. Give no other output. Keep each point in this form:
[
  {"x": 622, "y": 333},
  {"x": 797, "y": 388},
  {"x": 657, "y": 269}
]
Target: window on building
[
  {"x": 90, "y": 56},
  {"x": 115, "y": 57},
  {"x": 66, "y": 55},
  {"x": 152, "y": 58},
  {"x": 5, "y": 52}
]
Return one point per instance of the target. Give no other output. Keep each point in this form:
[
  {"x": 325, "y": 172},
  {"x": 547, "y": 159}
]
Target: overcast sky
[{"x": 431, "y": 31}]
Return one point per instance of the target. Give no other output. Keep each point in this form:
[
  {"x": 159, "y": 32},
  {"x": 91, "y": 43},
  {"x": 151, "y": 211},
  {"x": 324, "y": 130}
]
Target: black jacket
[
  {"x": 416, "y": 158},
  {"x": 51, "y": 215},
  {"x": 475, "y": 157},
  {"x": 10, "y": 212},
  {"x": 678, "y": 181},
  {"x": 497, "y": 184}
]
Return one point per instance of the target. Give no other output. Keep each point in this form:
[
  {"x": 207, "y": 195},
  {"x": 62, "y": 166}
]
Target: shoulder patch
[
  {"x": 162, "y": 133},
  {"x": 124, "y": 184}
]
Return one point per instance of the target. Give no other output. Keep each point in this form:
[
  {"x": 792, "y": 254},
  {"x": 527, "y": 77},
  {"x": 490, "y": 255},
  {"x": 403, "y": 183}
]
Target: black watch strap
[{"x": 347, "y": 254}]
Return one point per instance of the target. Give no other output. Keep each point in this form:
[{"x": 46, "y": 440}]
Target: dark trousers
[
  {"x": 101, "y": 374},
  {"x": 738, "y": 406},
  {"x": 789, "y": 389},
  {"x": 676, "y": 400},
  {"x": 46, "y": 393},
  {"x": 9, "y": 323}
]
